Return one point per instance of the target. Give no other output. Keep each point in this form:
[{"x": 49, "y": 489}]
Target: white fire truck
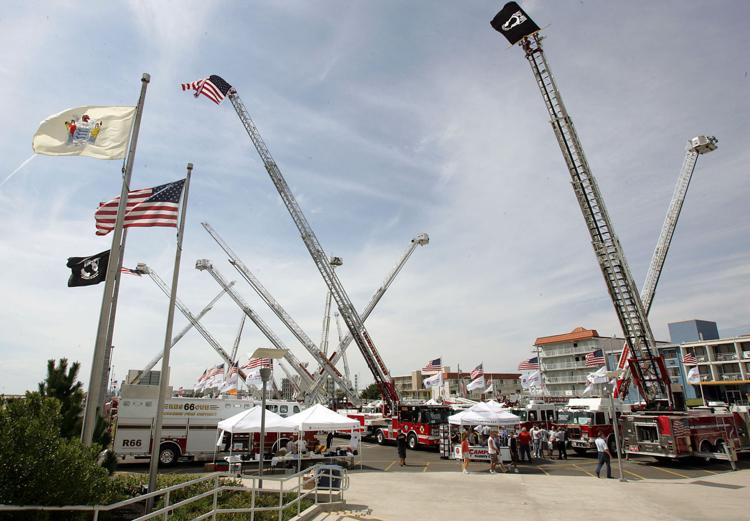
[{"x": 189, "y": 428}]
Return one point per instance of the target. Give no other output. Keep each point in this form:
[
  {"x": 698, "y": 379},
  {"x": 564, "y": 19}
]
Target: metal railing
[
  {"x": 720, "y": 357},
  {"x": 565, "y": 365},
  {"x": 566, "y": 379},
  {"x": 330, "y": 479},
  {"x": 547, "y": 353}
]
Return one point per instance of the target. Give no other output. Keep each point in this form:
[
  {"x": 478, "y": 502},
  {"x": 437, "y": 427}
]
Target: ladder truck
[
  {"x": 305, "y": 377},
  {"x": 697, "y": 146},
  {"x": 655, "y": 432},
  {"x": 350, "y": 316},
  {"x": 281, "y": 313}
]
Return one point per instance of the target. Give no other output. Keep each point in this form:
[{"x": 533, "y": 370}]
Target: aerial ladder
[
  {"x": 194, "y": 321},
  {"x": 335, "y": 263},
  {"x": 279, "y": 311},
  {"x": 347, "y": 374},
  {"x": 421, "y": 239},
  {"x": 305, "y": 377},
  {"x": 237, "y": 339},
  {"x": 647, "y": 368},
  {"x": 350, "y": 316},
  {"x": 152, "y": 363},
  {"x": 697, "y": 146}
]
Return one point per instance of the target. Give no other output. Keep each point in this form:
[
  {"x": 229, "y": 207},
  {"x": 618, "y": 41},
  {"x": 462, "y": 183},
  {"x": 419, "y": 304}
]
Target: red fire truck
[
  {"x": 536, "y": 412},
  {"x": 583, "y": 419},
  {"x": 709, "y": 432},
  {"x": 420, "y": 423}
]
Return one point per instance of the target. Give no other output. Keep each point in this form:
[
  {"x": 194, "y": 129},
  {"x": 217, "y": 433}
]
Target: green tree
[
  {"x": 371, "y": 392},
  {"x": 62, "y": 383},
  {"x": 40, "y": 467}
]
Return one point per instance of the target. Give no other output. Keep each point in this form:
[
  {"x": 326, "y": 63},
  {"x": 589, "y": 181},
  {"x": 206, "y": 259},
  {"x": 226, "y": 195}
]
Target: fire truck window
[
  {"x": 532, "y": 416},
  {"x": 296, "y": 409},
  {"x": 272, "y": 408},
  {"x": 408, "y": 415},
  {"x": 600, "y": 418},
  {"x": 284, "y": 409}
]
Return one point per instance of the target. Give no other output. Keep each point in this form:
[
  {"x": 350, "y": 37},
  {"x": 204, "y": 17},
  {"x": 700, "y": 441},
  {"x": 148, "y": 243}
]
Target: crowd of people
[{"x": 524, "y": 445}]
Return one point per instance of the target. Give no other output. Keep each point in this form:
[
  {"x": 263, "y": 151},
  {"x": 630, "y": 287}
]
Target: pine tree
[{"x": 62, "y": 383}]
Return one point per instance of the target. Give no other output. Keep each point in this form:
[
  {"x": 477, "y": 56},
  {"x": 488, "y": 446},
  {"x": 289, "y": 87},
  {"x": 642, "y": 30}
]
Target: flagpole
[
  {"x": 164, "y": 377},
  {"x": 111, "y": 327},
  {"x": 108, "y": 297}
]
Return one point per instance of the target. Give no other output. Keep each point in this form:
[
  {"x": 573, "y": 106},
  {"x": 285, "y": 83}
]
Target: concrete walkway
[{"x": 453, "y": 496}]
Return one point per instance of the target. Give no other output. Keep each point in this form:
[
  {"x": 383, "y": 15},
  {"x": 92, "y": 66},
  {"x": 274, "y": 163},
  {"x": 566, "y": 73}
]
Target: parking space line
[
  {"x": 389, "y": 466},
  {"x": 710, "y": 471},
  {"x": 583, "y": 470},
  {"x": 425, "y": 466},
  {"x": 633, "y": 474},
  {"x": 540, "y": 468},
  {"x": 670, "y": 472}
]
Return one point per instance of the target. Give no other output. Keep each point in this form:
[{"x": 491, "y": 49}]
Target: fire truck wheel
[
  {"x": 380, "y": 438},
  {"x": 412, "y": 442},
  {"x": 168, "y": 455},
  {"x": 580, "y": 451}
]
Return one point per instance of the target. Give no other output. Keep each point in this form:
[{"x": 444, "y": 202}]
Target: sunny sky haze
[{"x": 387, "y": 119}]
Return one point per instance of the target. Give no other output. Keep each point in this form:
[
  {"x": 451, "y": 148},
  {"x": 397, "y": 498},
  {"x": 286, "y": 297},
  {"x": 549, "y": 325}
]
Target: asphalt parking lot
[{"x": 382, "y": 458}]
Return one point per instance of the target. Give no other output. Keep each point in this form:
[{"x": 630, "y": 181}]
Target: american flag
[
  {"x": 130, "y": 271},
  {"x": 595, "y": 358},
  {"x": 531, "y": 364},
  {"x": 433, "y": 365},
  {"x": 689, "y": 359},
  {"x": 477, "y": 372},
  {"x": 214, "y": 88},
  {"x": 157, "y": 206},
  {"x": 255, "y": 363}
]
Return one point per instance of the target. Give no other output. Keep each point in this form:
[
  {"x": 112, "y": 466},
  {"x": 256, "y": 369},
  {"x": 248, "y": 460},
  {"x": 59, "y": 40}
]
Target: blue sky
[{"x": 387, "y": 119}]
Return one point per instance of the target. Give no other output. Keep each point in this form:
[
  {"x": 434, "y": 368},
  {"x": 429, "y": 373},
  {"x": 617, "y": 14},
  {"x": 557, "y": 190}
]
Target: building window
[{"x": 575, "y": 344}]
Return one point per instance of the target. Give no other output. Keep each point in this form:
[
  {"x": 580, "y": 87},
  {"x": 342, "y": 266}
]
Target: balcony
[
  {"x": 722, "y": 357},
  {"x": 564, "y": 365},
  {"x": 577, "y": 379},
  {"x": 730, "y": 376},
  {"x": 562, "y": 351}
]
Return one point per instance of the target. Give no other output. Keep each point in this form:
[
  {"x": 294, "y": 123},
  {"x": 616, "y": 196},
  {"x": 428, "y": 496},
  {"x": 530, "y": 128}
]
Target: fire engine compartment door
[
  {"x": 646, "y": 432},
  {"x": 132, "y": 440}
]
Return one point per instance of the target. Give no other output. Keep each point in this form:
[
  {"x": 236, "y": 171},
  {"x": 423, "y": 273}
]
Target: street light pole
[
  {"x": 265, "y": 375},
  {"x": 615, "y": 426}
]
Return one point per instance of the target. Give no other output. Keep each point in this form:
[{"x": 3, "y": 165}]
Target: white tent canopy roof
[
  {"x": 483, "y": 416},
  {"x": 321, "y": 418},
  {"x": 249, "y": 421}
]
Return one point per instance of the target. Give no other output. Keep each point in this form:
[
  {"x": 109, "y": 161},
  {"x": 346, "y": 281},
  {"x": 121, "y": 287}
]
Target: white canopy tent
[
  {"x": 321, "y": 418},
  {"x": 483, "y": 416},
  {"x": 249, "y": 421}
]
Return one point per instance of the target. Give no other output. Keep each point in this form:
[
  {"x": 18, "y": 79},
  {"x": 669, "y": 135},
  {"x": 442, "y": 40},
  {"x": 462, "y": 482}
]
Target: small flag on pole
[
  {"x": 531, "y": 364},
  {"x": 433, "y": 365},
  {"x": 157, "y": 206},
  {"x": 130, "y": 271},
  {"x": 595, "y": 358},
  {"x": 87, "y": 271},
  {"x": 257, "y": 363},
  {"x": 214, "y": 88},
  {"x": 689, "y": 359},
  {"x": 477, "y": 372}
]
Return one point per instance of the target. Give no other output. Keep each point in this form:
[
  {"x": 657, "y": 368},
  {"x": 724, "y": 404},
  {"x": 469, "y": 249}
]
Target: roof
[{"x": 579, "y": 333}]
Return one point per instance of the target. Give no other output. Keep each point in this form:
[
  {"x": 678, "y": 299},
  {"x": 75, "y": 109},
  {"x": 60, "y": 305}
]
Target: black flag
[
  {"x": 87, "y": 271},
  {"x": 513, "y": 23}
]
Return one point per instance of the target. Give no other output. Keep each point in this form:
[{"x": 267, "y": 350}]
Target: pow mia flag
[
  {"x": 87, "y": 271},
  {"x": 513, "y": 23}
]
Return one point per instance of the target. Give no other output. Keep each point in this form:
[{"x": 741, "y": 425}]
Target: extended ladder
[
  {"x": 623, "y": 292},
  {"x": 352, "y": 320}
]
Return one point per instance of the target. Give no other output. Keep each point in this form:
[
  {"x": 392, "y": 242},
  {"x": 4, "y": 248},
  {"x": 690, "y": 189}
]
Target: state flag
[
  {"x": 87, "y": 271},
  {"x": 92, "y": 131}
]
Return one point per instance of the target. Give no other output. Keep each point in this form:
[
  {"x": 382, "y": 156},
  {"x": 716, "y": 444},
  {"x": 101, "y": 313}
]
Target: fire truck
[
  {"x": 583, "y": 419},
  {"x": 642, "y": 363},
  {"x": 420, "y": 422},
  {"x": 537, "y": 413},
  {"x": 190, "y": 425}
]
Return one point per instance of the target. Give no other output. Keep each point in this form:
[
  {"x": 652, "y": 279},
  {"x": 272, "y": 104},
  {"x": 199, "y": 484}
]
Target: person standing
[
  {"x": 603, "y": 455},
  {"x": 513, "y": 442},
  {"x": 465, "y": 453},
  {"x": 401, "y": 448},
  {"x": 329, "y": 440},
  {"x": 552, "y": 442},
  {"x": 562, "y": 451},
  {"x": 543, "y": 436},
  {"x": 492, "y": 450},
  {"x": 524, "y": 440},
  {"x": 536, "y": 440}
]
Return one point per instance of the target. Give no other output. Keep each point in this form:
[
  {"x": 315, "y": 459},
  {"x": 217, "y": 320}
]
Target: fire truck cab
[
  {"x": 583, "y": 419},
  {"x": 420, "y": 423},
  {"x": 541, "y": 414}
]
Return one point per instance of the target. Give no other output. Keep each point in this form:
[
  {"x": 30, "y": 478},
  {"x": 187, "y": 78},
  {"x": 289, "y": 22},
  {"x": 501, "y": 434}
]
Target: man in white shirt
[
  {"x": 603, "y": 455},
  {"x": 494, "y": 452}
]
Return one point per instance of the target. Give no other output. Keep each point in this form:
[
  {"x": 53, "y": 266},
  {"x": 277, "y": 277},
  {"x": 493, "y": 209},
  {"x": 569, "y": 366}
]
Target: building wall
[
  {"x": 692, "y": 331},
  {"x": 411, "y": 386},
  {"x": 724, "y": 366}
]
